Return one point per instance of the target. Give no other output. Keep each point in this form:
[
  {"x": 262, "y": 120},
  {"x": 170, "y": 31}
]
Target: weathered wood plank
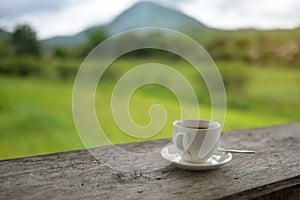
[{"x": 77, "y": 175}]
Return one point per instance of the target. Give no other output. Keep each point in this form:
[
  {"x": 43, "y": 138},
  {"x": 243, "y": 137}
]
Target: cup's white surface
[{"x": 196, "y": 145}]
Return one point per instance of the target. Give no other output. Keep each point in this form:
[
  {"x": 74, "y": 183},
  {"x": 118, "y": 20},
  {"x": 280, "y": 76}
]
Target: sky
[{"x": 66, "y": 17}]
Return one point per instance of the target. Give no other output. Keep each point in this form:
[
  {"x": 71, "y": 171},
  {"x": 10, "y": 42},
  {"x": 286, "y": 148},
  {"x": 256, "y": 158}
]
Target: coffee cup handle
[{"x": 178, "y": 141}]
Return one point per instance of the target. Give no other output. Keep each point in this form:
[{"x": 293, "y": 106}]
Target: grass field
[{"x": 36, "y": 113}]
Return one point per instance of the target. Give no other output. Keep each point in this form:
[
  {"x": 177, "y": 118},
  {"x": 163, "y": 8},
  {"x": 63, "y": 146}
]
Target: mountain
[
  {"x": 142, "y": 14},
  {"x": 150, "y": 14},
  {"x": 66, "y": 41}
]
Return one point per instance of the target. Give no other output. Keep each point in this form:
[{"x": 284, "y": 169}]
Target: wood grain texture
[{"x": 78, "y": 175}]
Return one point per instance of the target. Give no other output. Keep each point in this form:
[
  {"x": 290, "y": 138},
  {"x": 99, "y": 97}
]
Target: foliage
[
  {"x": 252, "y": 46},
  {"x": 6, "y": 49},
  {"x": 95, "y": 37},
  {"x": 25, "y": 41},
  {"x": 61, "y": 52},
  {"x": 21, "y": 66},
  {"x": 66, "y": 71}
]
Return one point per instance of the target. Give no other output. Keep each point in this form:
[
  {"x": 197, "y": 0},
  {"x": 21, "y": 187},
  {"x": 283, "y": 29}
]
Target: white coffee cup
[{"x": 196, "y": 140}]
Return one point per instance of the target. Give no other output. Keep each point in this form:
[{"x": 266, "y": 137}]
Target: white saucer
[{"x": 170, "y": 153}]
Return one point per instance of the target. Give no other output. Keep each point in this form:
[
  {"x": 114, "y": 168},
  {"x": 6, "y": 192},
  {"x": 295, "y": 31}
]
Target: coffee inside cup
[
  {"x": 197, "y": 127},
  {"x": 196, "y": 124}
]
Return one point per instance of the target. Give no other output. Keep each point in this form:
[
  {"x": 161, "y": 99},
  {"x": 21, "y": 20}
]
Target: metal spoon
[{"x": 236, "y": 151}]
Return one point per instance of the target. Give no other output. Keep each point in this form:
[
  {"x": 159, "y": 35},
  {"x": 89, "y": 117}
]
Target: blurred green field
[{"x": 36, "y": 113}]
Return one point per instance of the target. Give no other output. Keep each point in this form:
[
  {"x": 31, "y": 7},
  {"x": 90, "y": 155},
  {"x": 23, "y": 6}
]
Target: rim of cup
[{"x": 211, "y": 124}]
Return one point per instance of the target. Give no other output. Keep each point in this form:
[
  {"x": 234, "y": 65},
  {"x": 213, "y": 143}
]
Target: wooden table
[{"x": 273, "y": 171}]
